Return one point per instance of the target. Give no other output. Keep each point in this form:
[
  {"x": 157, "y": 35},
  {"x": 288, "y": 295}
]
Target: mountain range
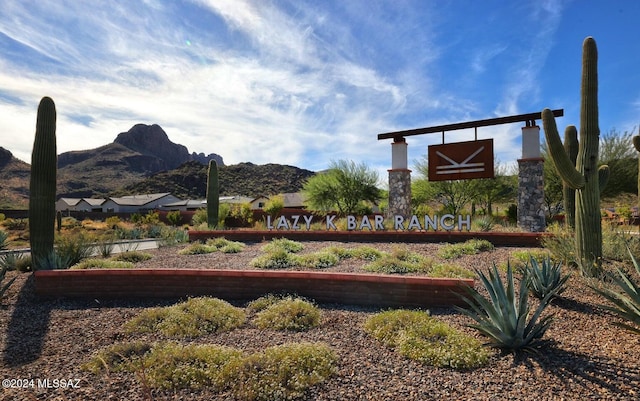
[{"x": 144, "y": 160}]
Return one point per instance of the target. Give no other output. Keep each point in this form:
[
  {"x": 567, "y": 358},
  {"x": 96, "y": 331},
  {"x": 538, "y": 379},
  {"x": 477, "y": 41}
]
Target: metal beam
[{"x": 468, "y": 124}]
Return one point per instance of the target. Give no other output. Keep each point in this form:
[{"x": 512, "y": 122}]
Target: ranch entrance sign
[
  {"x": 470, "y": 160},
  {"x": 461, "y": 160}
]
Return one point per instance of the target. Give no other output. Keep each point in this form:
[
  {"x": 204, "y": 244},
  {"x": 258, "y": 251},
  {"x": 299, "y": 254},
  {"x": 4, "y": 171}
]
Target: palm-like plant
[
  {"x": 627, "y": 303},
  {"x": 504, "y": 317},
  {"x": 545, "y": 278}
]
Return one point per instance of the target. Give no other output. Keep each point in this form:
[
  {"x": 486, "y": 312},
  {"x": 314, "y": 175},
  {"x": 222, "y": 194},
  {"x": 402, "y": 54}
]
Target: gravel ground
[{"x": 586, "y": 357}]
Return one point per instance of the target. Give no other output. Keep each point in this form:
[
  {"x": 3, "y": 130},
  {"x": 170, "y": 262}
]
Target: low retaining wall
[
  {"x": 343, "y": 288},
  {"x": 496, "y": 238}
]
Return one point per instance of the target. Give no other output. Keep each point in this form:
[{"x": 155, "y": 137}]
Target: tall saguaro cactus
[
  {"x": 213, "y": 194},
  {"x": 636, "y": 144},
  {"x": 42, "y": 186},
  {"x": 569, "y": 193},
  {"x": 584, "y": 177}
]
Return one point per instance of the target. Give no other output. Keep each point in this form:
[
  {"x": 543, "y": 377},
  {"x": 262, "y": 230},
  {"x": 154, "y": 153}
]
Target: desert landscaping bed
[{"x": 585, "y": 357}]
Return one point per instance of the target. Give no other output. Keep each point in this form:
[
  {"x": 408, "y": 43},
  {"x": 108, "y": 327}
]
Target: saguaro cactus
[
  {"x": 42, "y": 186},
  {"x": 585, "y": 177},
  {"x": 568, "y": 193},
  {"x": 213, "y": 195},
  {"x": 636, "y": 144}
]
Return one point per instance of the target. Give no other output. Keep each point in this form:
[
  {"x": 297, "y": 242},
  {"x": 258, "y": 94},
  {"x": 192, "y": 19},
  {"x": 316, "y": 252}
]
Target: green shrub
[
  {"x": 74, "y": 247},
  {"x": 106, "y": 246},
  {"x": 341, "y": 252},
  {"x": 446, "y": 270},
  {"x": 484, "y": 223},
  {"x": 175, "y": 366},
  {"x": 282, "y": 372},
  {"x": 132, "y": 257},
  {"x": 91, "y": 263},
  {"x": 293, "y": 314},
  {"x": 562, "y": 244},
  {"x": 192, "y": 318},
  {"x": 174, "y": 217},
  {"x": 2, "y": 217},
  {"x": 469, "y": 247},
  {"x": 366, "y": 253},
  {"x": 388, "y": 264},
  {"x": 225, "y": 246},
  {"x": 173, "y": 236},
  {"x": 15, "y": 224},
  {"x": 283, "y": 244},
  {"x": 418, "y": 336},
  {"x": 279, "y": 259},
  {"x": 503, "y": 317},
  {"x": 318, "y": 260},
  {"x": 199, "y": 217},
  {"x": 112, "y": 222},
  {"x": 122, "y": 357},
  {"x": 264, "y": 302},
  {"x": 197, "y": 249}
]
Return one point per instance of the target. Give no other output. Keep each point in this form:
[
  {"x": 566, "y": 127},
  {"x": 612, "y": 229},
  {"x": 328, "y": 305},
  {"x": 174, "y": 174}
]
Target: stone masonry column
[
  {"x": 399, "y": 181},
  {"x": 531, "y": 214}
]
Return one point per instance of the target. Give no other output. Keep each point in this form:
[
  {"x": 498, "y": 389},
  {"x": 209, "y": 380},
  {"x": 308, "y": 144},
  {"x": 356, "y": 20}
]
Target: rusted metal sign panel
[{"x": 461, "y": 160}]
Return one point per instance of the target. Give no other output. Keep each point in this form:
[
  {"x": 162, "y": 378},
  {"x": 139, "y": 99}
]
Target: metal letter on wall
[{"x": 461, "y": 160}]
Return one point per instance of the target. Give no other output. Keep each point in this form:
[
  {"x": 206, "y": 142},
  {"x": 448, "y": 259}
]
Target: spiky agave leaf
[
  {"x": 503, "y": 317},
  {"x": 627, "y": 303},
  {"x": 545, "y": 279}
]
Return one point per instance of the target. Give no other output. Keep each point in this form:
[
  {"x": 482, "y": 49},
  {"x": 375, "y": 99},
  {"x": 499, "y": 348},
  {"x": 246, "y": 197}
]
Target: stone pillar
[
  {"x": 399, "y": 180},
  {"x": 531, "y": 214}
]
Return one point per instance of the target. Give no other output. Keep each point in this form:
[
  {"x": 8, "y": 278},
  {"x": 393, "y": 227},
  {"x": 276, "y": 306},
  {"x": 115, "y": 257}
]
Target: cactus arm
[
  {"x": 559, "y": 156},
  {"x": 603, "y": 176},
  {"x": 636, "y": 142}
]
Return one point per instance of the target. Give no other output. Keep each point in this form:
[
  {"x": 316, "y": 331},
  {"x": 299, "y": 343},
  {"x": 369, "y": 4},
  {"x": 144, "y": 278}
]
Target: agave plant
[
  {"x": 505, "y": 317},
  {"x": 4, "y": 287},
  {"x": 546, "y": 279},
  {"x": 627, "y": 304}
]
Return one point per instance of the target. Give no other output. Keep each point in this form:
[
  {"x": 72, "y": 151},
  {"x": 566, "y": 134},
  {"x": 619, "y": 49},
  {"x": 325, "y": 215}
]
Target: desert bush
[
  {"x": 447, "y": 270},
  {"x": 278, "y": 259},
  {"x": 173, "y": 236},
  {"x": 121, "y": 357},
  {"x": 365, "y": 252},
  {"x": 318, "y": 260},
  {"x": 285, "y": 244},
  {"x": 561, "y": 244},
  {"x": 293, "y": 314},
  {"x": 154, "y": 231},
  {"x": 199, "y": 217},
  {"x": 389, "y": 264},
  {"x": 225, "y": 246},
  {"x": 132, "y": 257},
  {"x": 176, "y": 366},
  {"x": 192, "y": 318},
  {"x": 197, "y": 249},
  {"x": 15, "y": 224},
  {"x": 112, "y": 222},
  {"x": 92, "y": 263},
  {"x": 503, "y": 316},
  {"x": 282, "y": 372},
  {"x": 483, "y": 223},
  {"x": 74, "y": 247},
  {"x": 420, "y": 337},
  {"x": 105, "y": 246},
  {"x": 341, "y": 252},
  {"x": 469, "y": 247},
  {"x": 264, "y": 302},
  {"x": 54, "y": 260},
  {"x": 174, "y": 217}
]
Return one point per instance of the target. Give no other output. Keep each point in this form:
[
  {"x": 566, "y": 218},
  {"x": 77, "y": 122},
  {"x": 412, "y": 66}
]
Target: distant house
[
  {"x": 184, "y": 205},
  {"x": 138, "y": 203},
  {"x": 294, "y": 200},
  {"x": 79, "y": 204}
]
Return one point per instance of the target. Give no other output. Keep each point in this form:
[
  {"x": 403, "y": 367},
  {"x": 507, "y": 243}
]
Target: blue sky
[{"x": 306, "y": 82}]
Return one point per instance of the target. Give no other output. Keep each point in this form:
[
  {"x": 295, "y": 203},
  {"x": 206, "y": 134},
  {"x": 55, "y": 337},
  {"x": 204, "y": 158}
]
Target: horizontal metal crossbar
[{"x": 468, "y": 124}]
